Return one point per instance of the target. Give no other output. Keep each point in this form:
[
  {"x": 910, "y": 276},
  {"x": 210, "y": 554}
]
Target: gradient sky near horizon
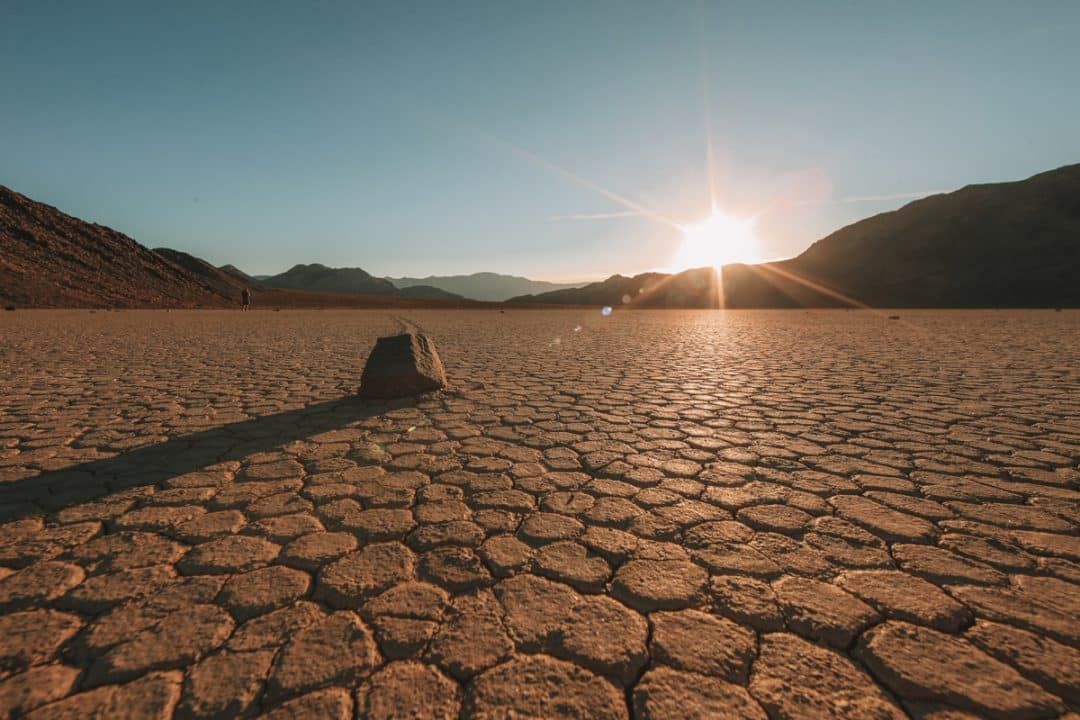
[{"x": 438, "y": 138}]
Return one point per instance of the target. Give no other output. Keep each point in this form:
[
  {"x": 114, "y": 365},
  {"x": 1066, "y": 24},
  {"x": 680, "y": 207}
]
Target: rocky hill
[
  {"x": 51, "y": 259},
  {"x": 1014, "y": 244},
  {"x": 222, "y": 282}
]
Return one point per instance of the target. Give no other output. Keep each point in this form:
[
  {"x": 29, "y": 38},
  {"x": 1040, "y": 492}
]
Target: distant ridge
[
  {"x": 320, "y": 278},
  {"x": 484, "y": 285},
  {"x": 1014, "y": 244}
]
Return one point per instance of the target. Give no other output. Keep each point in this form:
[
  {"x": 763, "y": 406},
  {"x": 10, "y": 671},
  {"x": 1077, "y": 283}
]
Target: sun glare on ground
[{"x": 718, "y": 240}]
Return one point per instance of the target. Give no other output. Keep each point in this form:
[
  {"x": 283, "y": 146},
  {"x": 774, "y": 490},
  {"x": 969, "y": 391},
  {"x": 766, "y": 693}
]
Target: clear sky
[{"x": 436, "y": 138}]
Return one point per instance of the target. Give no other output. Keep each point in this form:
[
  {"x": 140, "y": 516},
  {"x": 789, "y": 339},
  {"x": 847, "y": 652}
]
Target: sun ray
[
  {"x": 580, "y": 181},
  {"x": 806, "y": 282},
  {"x": 774, "y": 270},
  {"x": 710, "y": 158}
]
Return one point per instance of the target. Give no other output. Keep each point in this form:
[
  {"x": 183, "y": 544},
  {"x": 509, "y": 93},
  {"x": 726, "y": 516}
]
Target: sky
[{"x": 557, "y": 140}]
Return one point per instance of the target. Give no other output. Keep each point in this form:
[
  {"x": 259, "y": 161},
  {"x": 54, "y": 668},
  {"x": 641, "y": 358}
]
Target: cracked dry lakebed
[{"x": 652, "y": 514}]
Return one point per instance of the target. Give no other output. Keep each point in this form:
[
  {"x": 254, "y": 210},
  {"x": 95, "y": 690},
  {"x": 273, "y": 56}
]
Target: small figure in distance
[{"x": 245, "y": 300}]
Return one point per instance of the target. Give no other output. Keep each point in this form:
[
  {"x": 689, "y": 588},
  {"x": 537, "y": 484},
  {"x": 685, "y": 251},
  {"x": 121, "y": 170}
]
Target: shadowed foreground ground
[{"x": 654, "y": 514}]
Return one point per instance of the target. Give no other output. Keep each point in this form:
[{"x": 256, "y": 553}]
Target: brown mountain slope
[
  {"x": 50, "y": 259},
  {"x": 216, "y": 280}
]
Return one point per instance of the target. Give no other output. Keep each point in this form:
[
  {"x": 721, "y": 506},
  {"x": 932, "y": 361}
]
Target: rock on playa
[{"x": 402, "y": 365}]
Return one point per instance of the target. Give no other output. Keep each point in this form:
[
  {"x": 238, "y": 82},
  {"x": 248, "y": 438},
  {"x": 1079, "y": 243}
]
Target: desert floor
[{"x": 652, "y": 514}]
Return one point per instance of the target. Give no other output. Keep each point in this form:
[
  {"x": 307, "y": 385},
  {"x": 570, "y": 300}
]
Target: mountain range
[
  {"x": 484, "y": 285},
  {"x": 320, "y": 278},
  {"x": 1014, "y": 244},
  {"x": 51, "y": 259}
]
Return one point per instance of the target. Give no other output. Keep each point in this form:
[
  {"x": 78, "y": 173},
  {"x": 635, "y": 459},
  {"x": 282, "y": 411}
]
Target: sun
[{"x": 718, "y": 240}]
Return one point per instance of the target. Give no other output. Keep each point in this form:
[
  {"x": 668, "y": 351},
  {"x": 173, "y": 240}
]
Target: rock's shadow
[{"x": 55, "y": 490}]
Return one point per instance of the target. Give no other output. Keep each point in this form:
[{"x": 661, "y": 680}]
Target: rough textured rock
[
  {"x": 942, "y": 566},
  {"x": 901, "y": 596},
  {"x": 152, "y": 696},
  {"x": 658, "y": 584},
  {"x": 260, "y": 591},
  {"x": 821, "y": 611},
  {"x": 233, "y": 553},
  {"x": 402, "y": 365},
  {"x": 794, "y": 679},
  {"x": 665, "y": 693},
  {"x": 358, "y": 576},
  {"x": 571, "y": 563},
  {"x": 330, "y": 704},
  {"x": 38, "y": 583},
  {"x": 471, "y": 638},
  {"x": 702, "y": 643},
  {"x": 1010, "y": 605},
  {"x": 883, "y": 521},
  {"x": 310, "y": 552},
  {"x": 457, "y": 569},
  {"x": 101, "y": 592},
  {"x": 33, "y": 636},
  {"x": 1047, "y": 662},
  {"x": 747, "y": 601},
  {"x": 539, "y": 686},
  {"x": 535, "y": 609},
  {"x": 504, "y": 554},
  {"x": 409, "y": 689},
  {"x": 338, "y": 649},
  {"x": 1051, "y": 664},
  {"x": 918, "y": 663},
  {"x": 273, "y": 629},
  {"x": 179, "y": 639},
  {"x": 37, "y": 686},
  {"x": 597, "y": 632},
  {"x": 224, "y": 685},
  {"x": 125, "y": 550},
  {"x": 605, "y": 637}
]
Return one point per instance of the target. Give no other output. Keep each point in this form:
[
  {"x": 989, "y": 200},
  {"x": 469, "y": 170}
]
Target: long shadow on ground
[{"x": 55, "y": 490}]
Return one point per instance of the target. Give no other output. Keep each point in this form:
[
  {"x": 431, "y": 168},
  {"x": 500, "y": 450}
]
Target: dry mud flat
[{"x": 649, "y": 515}]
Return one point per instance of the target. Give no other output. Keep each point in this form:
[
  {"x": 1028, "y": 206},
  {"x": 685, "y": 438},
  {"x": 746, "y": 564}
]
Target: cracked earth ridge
[{"x": 657, "y": 515}]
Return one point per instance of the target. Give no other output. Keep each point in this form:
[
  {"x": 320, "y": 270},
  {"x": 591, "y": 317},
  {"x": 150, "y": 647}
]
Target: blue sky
[{"x": 420, "y": 138}]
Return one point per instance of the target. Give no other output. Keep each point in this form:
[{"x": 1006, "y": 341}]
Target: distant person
[{"x": 245, "y": 300}]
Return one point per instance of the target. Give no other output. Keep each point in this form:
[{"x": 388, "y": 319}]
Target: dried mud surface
[{"x": 653, "y": 515}]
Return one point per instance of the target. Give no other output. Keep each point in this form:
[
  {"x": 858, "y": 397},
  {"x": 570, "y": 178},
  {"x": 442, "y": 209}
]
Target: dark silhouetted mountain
[
  {"x": 1014, "y": 244},
  {"x": 321, "y": 278},
  {"x": 695, "y": 288},
  {"x": 484, "y": 285}
]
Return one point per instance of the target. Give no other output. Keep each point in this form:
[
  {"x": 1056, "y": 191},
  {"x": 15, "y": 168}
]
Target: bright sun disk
[{"x": 718, "y": 240}]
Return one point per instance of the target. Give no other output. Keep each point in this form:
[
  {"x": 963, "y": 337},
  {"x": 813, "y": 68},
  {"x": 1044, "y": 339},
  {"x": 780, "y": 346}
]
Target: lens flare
[{"x": 718, "y": 240}]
